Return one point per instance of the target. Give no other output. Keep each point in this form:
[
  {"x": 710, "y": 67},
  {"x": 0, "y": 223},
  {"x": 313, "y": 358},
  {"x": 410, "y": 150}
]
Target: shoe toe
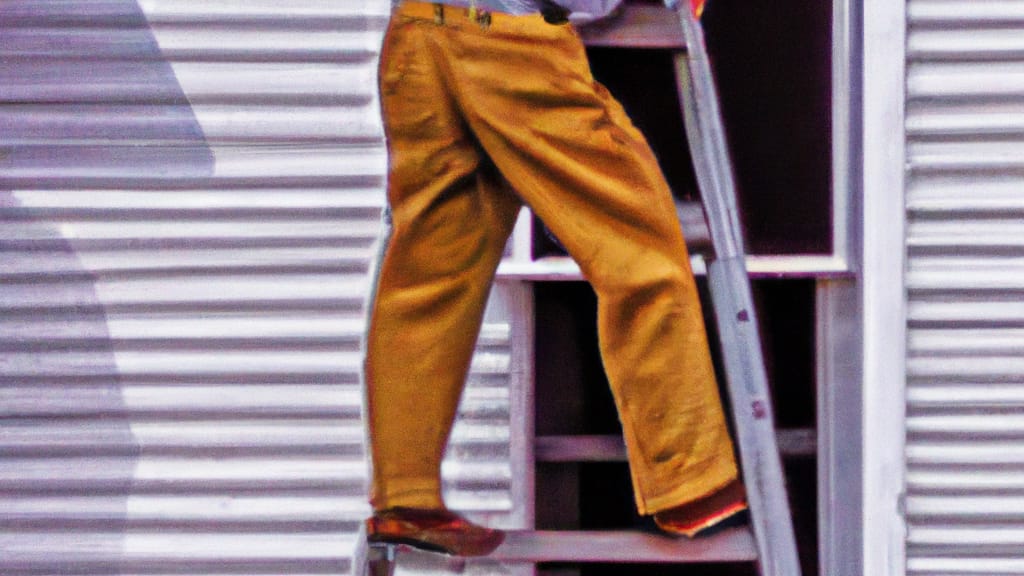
[{"x": 434, "y": 530}]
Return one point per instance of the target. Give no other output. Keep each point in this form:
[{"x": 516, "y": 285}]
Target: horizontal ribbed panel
[
  {"x": 965, "y": 279},
  {"x": 190, "y": 199}
]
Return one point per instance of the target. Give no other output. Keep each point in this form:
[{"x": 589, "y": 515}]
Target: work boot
[
  {"x": 437, "y": 530},
  {"x": 721, "y": 509}
]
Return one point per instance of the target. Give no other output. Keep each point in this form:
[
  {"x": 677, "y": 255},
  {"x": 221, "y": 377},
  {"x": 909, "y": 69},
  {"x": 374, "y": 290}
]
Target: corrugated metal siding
[
  {"x": 965, "y": 445},
  {"x": 190, "y": 193}
]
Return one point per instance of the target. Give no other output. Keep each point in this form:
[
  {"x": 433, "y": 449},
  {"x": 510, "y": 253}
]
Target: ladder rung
[
  {"x": 732, "y": 545},
  {"x": 637, "y": 26},
  {"x": 592, "y": 448},
  {"x": 695, "y": 227}
]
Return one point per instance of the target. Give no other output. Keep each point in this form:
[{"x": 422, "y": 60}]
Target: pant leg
[
  {"x": 572, "y": 154},
  {"x": 450, "y": 221}
]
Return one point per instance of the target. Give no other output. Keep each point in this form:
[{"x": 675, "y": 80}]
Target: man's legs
[
  {"x": 570, "y": 151},
  {"x": 450, "y": 221}
]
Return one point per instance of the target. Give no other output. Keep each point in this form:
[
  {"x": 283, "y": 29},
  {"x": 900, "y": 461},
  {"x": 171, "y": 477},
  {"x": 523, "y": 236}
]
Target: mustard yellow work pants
[{"x": 470, "y": 109}]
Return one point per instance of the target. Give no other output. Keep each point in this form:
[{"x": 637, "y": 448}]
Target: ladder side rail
[
  {"x": 770, "y": 517},
  {"x": 708, "y": 146},
  {"x": 733, "y": 307}
]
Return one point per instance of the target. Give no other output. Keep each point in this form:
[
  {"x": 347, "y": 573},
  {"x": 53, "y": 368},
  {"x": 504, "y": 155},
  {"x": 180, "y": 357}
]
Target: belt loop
[
  {"x": 439, "y": 14},
  {"x": 481, "y": 17},
  {"x": 484, "y": 20}
]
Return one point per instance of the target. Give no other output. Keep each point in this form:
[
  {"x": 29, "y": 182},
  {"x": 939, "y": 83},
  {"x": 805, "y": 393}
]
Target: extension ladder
[{"x": 769, "y": 540}]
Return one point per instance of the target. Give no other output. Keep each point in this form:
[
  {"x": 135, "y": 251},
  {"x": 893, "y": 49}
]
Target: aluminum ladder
[{"x": 769, "y": 540}]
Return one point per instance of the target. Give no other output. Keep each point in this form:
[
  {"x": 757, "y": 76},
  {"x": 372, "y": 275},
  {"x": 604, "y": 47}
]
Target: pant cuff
[
  {"x": 716, "y": 476},
  {"x": 407, "y": 493}
]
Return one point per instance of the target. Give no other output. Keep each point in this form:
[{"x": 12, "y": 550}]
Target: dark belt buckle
[{"x": 553, "y": 13}]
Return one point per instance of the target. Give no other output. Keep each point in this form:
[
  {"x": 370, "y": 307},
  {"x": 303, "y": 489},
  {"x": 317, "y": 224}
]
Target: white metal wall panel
[
  {"x": 965, "y": 443},
  {"x": 190, "y": 193}
]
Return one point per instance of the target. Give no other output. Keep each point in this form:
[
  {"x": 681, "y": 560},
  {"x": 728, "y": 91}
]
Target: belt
[{"x": 441, "y": 13}]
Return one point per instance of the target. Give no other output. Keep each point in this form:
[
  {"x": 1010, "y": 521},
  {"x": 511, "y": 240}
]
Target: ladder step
[
  {"x": 637, "y": 26},
  {"x": 695, "y": 228},
  {"x": 799, "y": 442},
  {"x": 732, "y": 545}
]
